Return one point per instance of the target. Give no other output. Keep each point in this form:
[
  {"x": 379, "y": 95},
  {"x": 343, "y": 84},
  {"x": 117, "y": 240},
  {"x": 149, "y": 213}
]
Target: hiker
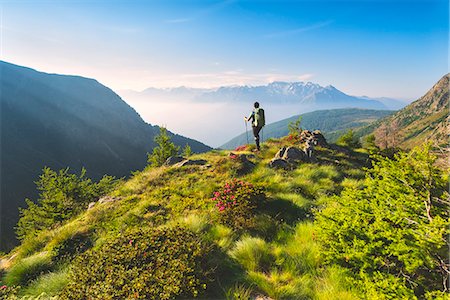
[
  {"x": 310, "y": 143},
  {"x": 258, "y": 121}
]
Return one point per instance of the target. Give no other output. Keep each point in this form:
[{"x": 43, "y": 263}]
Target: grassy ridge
[{"x": 279, "y": 257}]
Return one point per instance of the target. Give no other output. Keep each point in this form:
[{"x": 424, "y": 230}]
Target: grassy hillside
[
  {"x": 424, "y": 119},
  {"x": 167, "y": 222},
  {"x": 332, "y": 123}
]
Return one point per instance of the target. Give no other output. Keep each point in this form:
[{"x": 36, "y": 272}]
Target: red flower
[{"x": 3, "y": 287}]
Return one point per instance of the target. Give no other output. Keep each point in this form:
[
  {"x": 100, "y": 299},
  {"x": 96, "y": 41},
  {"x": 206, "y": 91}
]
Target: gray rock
[
  {"x": 191, "y": 162},
  {"x": 280, "y": 153},
  {"x": 278, "y": 163},
  {"x": 293, "y": 154},
  {"x": 108, "y": 199},
  {"x": 173, "y": 160},
  {"x": 91, "y": 205}
]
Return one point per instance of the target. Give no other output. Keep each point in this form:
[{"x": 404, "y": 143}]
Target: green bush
[
  {"x": 391, "y": 233},
  {"x": 349, "y": 140},
  {"x": 28, "y": 269},
  {"x": 62, "y": 195},
  {"x": 145, "y": 264},
  {"x": 237, "y": 202}
]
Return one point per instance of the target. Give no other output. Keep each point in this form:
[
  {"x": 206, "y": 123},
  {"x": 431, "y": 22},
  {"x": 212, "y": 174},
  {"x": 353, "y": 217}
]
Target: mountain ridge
[{"x": 303, "y": 93}]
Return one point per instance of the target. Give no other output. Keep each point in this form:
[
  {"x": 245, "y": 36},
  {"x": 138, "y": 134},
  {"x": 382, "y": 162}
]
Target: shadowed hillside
[{"x": 64, "y": 121}]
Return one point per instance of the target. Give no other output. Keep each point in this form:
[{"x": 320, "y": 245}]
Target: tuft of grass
[
  {"x": 222, "y": 235},
  {"x": 49, "y": 284},
  {"x": 252, "y": 253},
  {"x": 283, "y": 285},
  {"x": 334, "y": 284},
  {"x": 195, "y": 222},
  {"x": 302, "y": 252},
  {"x": 28, "y": 269},
  {"x": 239, "y": 292}
]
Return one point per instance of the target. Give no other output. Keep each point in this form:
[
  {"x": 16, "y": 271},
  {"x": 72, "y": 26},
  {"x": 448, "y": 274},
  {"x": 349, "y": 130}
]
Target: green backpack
[{"x": 260, "y": 120}]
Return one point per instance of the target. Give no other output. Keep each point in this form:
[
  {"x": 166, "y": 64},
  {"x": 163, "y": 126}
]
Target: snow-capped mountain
[{"x": 306, "y": 94}]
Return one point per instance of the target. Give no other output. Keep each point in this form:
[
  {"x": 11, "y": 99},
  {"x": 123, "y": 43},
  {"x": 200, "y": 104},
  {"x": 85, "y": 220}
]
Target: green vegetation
[
  {"x": 62, "y": 196},
  {"x": 395, "y": 241},
  {"x": 143, "y": 264},
  {"x": 294, "y": 126},
  {"x": 345, "y": 226},
  {"x": 349, "y": 140},
  {"x": 164, "y": 150},
  {"x": 187, "y": 151}
]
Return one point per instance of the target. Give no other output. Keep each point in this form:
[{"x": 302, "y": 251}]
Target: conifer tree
[{"x": 165, "y": 149}]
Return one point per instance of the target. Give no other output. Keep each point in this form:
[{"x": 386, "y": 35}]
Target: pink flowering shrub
[
  {"x": 8, "y": 292},
  {"x": 237, "y": 202},
  {"x": 241, "y": 148}
]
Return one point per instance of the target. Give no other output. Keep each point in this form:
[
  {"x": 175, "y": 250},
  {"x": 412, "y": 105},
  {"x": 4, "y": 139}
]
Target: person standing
[{"x": 258, "y": 121}]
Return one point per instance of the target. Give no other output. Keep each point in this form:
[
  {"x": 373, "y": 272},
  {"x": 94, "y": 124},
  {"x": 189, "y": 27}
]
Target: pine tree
[
  {"x": 164, "y": 150},
  {"x": 187, "y": 151},
  {"x": 349, "y": 140}
]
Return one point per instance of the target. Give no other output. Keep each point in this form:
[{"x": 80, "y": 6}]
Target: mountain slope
[
  {"x": 424, "y": 119},
  {"x": 64, "y": 121},
  {"x": 330, "y": 122}
]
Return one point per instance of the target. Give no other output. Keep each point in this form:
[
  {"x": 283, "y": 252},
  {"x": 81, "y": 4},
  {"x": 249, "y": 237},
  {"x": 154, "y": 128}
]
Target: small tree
[
  {"x": 187, "y": 151},
  {"x": 61, "y": 196},
  {"x": 349, "y": 140},
  {"x": 164, "y": 150},
  {"x": 369, "y": 142},
  {"x": 294, "y": 126}
]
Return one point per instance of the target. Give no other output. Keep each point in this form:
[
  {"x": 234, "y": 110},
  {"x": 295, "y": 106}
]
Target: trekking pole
[
  {"x": 246, "y": 131},
  {"x": 262, "y": 135}
]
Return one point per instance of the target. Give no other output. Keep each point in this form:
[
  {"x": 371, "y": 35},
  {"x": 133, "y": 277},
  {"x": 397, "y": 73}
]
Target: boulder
[
  {"x": 191, "y": 162},
  {"x": 173, "y": 160},
  {"x": 319, "y": 138},
  {"x": 280, "y": 153},
  {"x": 293, "y": 154},
  {"x": 278, "y": 163}
]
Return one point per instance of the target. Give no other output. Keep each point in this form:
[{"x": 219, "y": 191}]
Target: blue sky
[{"x": 375, "y": 48}]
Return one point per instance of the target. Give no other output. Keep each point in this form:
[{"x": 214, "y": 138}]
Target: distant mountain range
[
  {"x": 309, "y": 96},
  {"x": 331, "y": 122},
  {"x": 64, "y": 121},
  {"x": 426, "y": 119}
]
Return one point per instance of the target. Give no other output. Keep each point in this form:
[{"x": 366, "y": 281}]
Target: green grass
[
  {"x": 28, "y": 269},
  {"x": 252, "y": 253},
  {"x": 49, "y": 284}
]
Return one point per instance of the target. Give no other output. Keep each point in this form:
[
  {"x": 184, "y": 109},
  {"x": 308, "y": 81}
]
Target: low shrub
[
  {"x": 144, "y": 264},
  {"x": 237, "y": 202},
  {"x": 8, "y": 292}
]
